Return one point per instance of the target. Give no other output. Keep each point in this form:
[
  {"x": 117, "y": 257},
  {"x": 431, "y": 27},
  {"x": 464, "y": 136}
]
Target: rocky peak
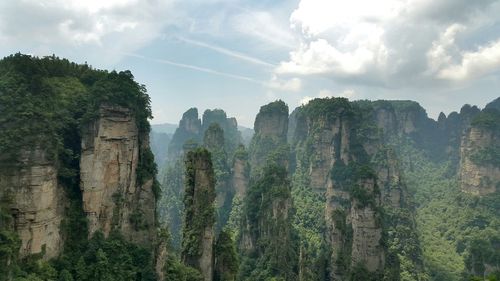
[
  {"x": 272, "y": 121},
  {"x": 229, "y": 125},
  {"x": 190, "y": 122},
  {"x": 217, "y": 116},
  {"x": 271, "y": 129},
  {"x": 189, "y": 130},
  {"x": 266, "y": 226}
]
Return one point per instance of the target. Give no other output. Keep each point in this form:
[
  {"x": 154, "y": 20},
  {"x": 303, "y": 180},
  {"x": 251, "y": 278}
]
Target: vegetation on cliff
[
  {"x": 359, "y": 191},
  {"x": 44, "y": 104}
]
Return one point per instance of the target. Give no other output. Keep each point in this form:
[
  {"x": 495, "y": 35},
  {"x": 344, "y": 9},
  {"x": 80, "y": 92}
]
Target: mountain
[
  {"x": 77, "y": 174},
  {"x": 333, "y": 190}
]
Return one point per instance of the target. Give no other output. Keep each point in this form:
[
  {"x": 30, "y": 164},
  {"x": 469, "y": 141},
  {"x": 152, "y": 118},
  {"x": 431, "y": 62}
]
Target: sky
[{"x": 239, "y": 55}]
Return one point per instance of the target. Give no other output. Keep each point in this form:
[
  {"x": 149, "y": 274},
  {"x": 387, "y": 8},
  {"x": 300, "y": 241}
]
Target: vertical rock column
[
  {"x": 199, "y": 198},
  {"x": 112, "y": 198},
  {"x": 478, "y": 173}
]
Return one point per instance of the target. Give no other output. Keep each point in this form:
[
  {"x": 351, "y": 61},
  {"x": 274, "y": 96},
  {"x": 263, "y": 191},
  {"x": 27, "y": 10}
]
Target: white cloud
[
  {"x": 317, "y": 16},
  {"x": 290, "y": 85},
  {"x": 319, "y": 57},
  {"x": 440, "y": 52},
  {"x": 98, "y": 30},
  {"x": 394, "y": 43},
  {"x": 97, "y": 5},
  {"x": 263, "y": 26},
  {"x": 474, "y": 64}
]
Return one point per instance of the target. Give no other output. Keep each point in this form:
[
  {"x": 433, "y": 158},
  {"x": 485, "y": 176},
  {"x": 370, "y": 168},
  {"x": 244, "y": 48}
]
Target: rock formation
[
  {"x": 339, "y": 146},
  {"x": 214, "y": 141},
  {"x": 189, "y": 129},
  {"x": 112, "y": 196},
  {"x": 240, "y": 172},
  {"x": 191, "y": 133},
  {"x": 271, "y": 128},
  {"x": 479, "y": 154},
  {"x": 266, "y": 233},
  {"x": 36, "y": 202},
  {"x": 199, "y": 196},
  {"x": 74, "y": 149},
  {"x": 232, "y": 136}
]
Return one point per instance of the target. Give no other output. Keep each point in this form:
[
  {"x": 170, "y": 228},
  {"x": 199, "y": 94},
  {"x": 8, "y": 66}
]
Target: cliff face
[
  {"x": 344, "y": 149},
  {"x": 112, "y": 197},
  {"x": 479, "y": 171},
  {"x": 389, "y": 178},
  {"x": 328, "y": 148},
  {"x": 36, "y": 202},
  {"x": 367, "y": 231},
  {"x": 272, "y": 124},
  {"x": 198, "y": 232},
  {"x": 214, "y": 141},
  {"x": 72, "y": 162},
  {"x": 271, "y": 128},
  {"x": 266, "y": 232},
  {"x": 232, "y": 137},
  {"x": 240, "y": 173}
]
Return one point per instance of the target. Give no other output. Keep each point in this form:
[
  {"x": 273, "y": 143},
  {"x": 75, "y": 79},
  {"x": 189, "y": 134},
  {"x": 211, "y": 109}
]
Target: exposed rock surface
[
  {"x": 325, "y": 140},
  {"x": 389, "y": 179},
  {"x": 112, "y": 197},
  {"x": 478, "y": 178},
  {"x": 36, "y": 202},
  {"x": 271, "y": 122},
  {"x": 240, "y": 176},
  {"x": 271, "y": 129},
  {"x": 367, "y": 232}
]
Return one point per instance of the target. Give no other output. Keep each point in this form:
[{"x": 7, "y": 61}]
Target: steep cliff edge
[
  {"x": 480, "y": 154},
  {"x": 113, "y": 197}
]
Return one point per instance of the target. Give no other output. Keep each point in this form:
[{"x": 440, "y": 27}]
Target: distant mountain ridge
[{"x": 166, "y": 128}]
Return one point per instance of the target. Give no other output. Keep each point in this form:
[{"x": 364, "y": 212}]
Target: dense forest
[{"x": 331, "y": 190}]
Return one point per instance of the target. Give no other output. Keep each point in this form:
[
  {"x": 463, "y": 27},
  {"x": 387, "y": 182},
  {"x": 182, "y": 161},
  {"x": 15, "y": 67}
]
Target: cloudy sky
[{"x": 238, "y": 55}]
